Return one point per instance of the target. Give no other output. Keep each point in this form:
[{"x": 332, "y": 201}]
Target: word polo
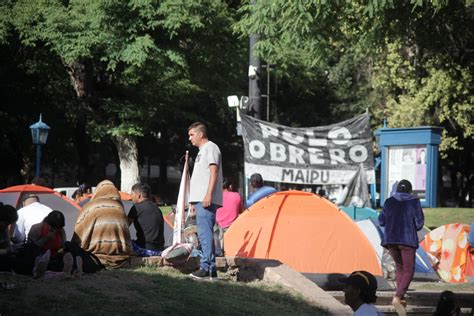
[{"x": 315, "y": 152}]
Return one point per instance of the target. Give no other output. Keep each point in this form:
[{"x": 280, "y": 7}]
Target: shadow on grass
[{"x": 148, "y": 291}]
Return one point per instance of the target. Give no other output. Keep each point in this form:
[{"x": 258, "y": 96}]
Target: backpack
[{"x": 90, "y": 262}]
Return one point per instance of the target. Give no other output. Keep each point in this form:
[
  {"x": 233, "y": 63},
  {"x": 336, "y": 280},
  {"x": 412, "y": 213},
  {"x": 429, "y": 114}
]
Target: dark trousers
[{"x": 404, "y": 258}]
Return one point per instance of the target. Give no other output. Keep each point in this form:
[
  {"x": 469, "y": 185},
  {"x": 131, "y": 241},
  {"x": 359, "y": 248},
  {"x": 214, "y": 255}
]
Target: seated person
[
  {"x": 360, "y": 293},
  {"x": 32, "y": 212},
  {"x": 102, "y": 227},
  {"x": 49, "y": 235},
  {"x": 83, "y": 194},
  {"x": 260, "y": 191},
  {"x": 8, "y": 216},
  {"x": 148, "y": 221}
]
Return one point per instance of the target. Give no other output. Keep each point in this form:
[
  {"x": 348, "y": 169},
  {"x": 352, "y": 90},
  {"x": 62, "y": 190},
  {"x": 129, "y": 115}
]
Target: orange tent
[
  {"x": 304, "y": 231},
  {"x": 56, "y": 201}
]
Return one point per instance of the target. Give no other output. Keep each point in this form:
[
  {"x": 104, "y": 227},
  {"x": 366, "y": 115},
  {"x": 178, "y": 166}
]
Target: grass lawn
[
  {"x": 149, "y": 291},
  {"x": 165, "y": 209},
  {"x": 435, "y": 217}
]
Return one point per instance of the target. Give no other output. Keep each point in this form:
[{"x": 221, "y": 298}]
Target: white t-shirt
[
  {"x": 209, "y": 154},
  {"x": 367, "y": 310},
  {"x": 30, "y": 215}
]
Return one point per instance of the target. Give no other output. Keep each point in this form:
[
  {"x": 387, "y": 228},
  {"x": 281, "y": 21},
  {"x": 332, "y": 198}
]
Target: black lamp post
[{"x": 39, "y": 134}]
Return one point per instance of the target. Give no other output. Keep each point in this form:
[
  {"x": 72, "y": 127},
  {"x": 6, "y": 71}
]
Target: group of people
[
  {"x": 402, "y": 216},
  {"x": 102, "y": 227},
  {"x": 33, "y": 240}
]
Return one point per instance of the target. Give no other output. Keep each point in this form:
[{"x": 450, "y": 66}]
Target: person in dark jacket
[{"x": 402, "y": 216}]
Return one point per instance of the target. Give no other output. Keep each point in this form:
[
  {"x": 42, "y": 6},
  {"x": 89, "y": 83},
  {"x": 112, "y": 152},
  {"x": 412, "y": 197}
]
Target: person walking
[
  {"x": 205, "y": 195},
  {"x": 402, "y": 216}
]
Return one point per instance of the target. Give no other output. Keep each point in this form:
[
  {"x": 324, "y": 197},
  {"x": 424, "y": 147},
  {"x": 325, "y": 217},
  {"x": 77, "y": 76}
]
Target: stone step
[{"x": 417, "y": 298}]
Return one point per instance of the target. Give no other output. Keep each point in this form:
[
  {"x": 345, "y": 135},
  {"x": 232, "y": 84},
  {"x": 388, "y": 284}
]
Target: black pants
[{"x": 24, "y": 261}]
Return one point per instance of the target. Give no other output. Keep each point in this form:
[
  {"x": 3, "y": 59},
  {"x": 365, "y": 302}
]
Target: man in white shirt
[
  {"x": 205, "y": 196},
  {"x": 32, "y": 212},
  {"x": 360, "y": 293}
]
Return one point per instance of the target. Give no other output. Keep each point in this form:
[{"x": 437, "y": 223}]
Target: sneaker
[
  {"x": 397, "y": 303},
  {"x": 200, "y": 274},
  {"x": 213, "y": 274},
  {"x": 79, "y": 262},
  {"x": 68, "y": 262},
  {"x": 41, "y": 265}
]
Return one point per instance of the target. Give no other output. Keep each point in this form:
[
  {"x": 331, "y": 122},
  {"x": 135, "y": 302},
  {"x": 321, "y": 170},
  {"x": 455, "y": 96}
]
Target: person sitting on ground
[
  {"x": 32, "y": 212},
  {"x": 83, "y": 194},
  {"x": 49, "y": 235},
  {"x": 228, "y": 213},
  {"x": 260, "y": 191},
  {"x": 11, "y": 260},
  {"x": 8, "y": 216},
  {"x": 102, "y": 227},
  {"x": 148, "y": 221},
  {"x": 360, "y": 293}
]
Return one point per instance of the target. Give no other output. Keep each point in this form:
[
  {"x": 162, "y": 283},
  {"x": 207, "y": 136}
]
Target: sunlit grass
[
  {"x": 148, "y": 291},
  {"x": 435, "y": 217}
]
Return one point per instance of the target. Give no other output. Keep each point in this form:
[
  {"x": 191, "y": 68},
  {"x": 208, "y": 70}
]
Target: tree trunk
[
  {"x": 128, "y": 155},
  {"x": 81, "y": 78}
]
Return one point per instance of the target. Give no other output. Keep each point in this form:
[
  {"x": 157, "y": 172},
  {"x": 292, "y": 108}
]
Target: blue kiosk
[{"x": 412, "y": 154}]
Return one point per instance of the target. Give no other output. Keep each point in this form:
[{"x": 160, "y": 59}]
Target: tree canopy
[{"x": 114, "y": 75}]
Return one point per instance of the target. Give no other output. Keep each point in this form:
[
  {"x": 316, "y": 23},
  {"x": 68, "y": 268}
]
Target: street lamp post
[
  {"x": 268, "y": 96},
  {"x": 39, "y": 134}
]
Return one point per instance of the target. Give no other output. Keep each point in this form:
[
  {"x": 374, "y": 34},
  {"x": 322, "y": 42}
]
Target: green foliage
[
  {"x": 136, "y": 53},
  {"x": 444, "y": 98},
  {"x": 5, "y": 11}
]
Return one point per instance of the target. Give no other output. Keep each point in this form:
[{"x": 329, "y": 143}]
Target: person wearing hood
[
  {"x": 402, "y": 216},
  {"x": 102, "y": 227}
]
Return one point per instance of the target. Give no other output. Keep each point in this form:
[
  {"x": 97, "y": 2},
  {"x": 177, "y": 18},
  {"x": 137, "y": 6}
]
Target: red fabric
[{"x": 53, "y": 244}]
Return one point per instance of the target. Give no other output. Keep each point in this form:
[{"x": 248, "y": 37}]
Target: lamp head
[{"x": 39, "y": 132}]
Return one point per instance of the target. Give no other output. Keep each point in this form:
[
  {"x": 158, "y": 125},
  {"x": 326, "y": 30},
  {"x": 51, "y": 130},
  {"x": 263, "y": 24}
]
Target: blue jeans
[{"x": 205, "y": 221}]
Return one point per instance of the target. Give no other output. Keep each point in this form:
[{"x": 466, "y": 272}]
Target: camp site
[{"x": 237, "y": 157}]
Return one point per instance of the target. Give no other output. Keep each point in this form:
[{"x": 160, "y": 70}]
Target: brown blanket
[{"x": 102, "y": 227}]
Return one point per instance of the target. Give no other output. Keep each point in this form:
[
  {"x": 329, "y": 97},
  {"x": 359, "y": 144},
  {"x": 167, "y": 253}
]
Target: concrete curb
[{"x": 277, "y": 272}]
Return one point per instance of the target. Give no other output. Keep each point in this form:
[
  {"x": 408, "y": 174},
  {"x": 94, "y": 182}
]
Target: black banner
[{"x": 313, "y": 155}]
